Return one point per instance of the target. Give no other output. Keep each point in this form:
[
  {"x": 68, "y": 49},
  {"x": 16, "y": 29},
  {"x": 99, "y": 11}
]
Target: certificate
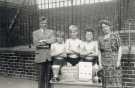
[{"x": 85, "y": 71}]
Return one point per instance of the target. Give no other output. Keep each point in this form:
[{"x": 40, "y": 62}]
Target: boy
[
  {"x": 73, "y": 46},
  {"x": 58, "y": 55}
]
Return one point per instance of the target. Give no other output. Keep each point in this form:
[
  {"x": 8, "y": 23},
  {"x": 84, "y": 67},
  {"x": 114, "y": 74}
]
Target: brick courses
[{"x": 18, "y": 64}]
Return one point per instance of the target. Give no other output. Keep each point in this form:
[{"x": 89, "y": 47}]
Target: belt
[
  {"x": 59, "y": 58},
  {"x": 73, "y": 56},
  {"x": 43, "y": 47},
  {"x": 90, "y": 57}
]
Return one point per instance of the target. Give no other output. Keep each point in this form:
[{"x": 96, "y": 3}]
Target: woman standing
[{"x": 109, "y": 45}]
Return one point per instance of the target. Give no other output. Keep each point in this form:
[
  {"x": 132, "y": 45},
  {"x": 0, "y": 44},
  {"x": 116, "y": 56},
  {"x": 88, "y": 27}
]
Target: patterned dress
[{"x": 109, "y": 55}]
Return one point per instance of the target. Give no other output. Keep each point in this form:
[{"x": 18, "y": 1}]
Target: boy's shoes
[
  {"x": 55, "y": 79},
  {"x": 58, "y": 79}
]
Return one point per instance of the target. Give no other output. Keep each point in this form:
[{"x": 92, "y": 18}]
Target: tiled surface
[{"x": 17, "y": 83}]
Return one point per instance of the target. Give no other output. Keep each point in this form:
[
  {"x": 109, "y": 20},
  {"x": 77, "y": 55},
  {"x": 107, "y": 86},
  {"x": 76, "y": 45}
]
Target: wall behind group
[
  {"x": 87, "y": 15},
  {"x": 83, "y": 16},
  {"x": 25, "y": 22}
]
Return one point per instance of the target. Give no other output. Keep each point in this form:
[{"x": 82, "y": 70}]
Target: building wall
[
  {"x": 21, "y": 31},
  {"x": 59, "y": 19},
  {"x": 18, "y": 64},
  {"x": 83, "y": 16},
  {"x": 19, "y": 2},
  {"x": 128, "y": 70}
]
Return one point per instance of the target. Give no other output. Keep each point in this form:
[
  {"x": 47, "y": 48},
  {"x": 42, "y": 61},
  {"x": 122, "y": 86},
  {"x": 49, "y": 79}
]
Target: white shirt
[
  {"x": 57, "y": 48},
  {"x": 88, "y": 47},
  {"x": 73, "y": 45}
]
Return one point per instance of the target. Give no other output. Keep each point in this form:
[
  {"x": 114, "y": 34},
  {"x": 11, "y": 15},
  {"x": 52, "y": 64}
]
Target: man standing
[{"x": 42, "y": 39}]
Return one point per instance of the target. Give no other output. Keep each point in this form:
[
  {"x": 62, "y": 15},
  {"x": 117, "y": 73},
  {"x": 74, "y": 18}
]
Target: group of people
[
  {"x": 73, "y": 50},
  {"x": 52, "y": 49}
]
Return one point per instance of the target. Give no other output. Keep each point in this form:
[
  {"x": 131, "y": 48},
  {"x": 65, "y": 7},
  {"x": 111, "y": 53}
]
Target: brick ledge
[
  {"x": 77, "y": 83},
  {"x": 125, "y": 49}
]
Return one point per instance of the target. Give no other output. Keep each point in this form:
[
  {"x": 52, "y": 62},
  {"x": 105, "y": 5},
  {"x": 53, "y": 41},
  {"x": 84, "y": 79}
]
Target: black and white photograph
[{"x": 67, "y": 43}]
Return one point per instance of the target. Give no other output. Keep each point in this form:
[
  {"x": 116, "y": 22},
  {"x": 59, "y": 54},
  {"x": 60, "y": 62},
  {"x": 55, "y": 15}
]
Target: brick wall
[
  {"x": 18, "y": 64},
  {"x": 128, "y": 66}
]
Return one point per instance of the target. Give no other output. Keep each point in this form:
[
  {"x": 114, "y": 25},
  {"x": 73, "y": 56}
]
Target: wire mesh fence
[{"x": 60, "y": 13}]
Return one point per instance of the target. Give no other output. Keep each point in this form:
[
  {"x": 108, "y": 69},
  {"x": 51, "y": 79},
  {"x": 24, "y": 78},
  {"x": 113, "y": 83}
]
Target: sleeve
[
  {"x": 52, "y": 51},
  {"x": 99, "y": 44},
  {"x": 67, "y": 46},
  {"x": 51, "y": 37},
  {"x": 115, "y": 41},
  {"x": 78, "y": 49},
  {"x": 35, "y": 39},
  {"x": 119, "y": 50},
  {"x": 118, "y": 40},
  {"x": 96, "y": 48},
  {"x": 99, "y": 53},
  {"x": 82, "y": 48}
]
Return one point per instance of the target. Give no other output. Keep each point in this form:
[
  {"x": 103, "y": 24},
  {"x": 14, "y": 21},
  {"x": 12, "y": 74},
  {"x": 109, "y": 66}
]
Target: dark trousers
[{"x": 45, "y": 70}]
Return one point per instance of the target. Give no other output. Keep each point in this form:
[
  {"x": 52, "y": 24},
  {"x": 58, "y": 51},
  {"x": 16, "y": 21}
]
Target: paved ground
[{"x": 17, "y": 83}]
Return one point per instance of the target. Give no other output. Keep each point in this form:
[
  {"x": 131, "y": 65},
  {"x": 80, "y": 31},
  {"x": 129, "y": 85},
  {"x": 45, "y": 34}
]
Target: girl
[
  {"x": 89, "y": 47},
  {"x": 89, "y": 51}
]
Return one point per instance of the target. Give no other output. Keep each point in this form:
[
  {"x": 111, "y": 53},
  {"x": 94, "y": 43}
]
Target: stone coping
[
  {"x": 18, "y": 48},
  {"x": 77, "y": 83},
  {"x": 125, "y": 49}
]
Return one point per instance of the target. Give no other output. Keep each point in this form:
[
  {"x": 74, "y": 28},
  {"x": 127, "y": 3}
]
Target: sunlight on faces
[
  {"x": 89, "y": 36},
  {"x": 59, "y": 39},
  {"x": 43, "y": 23},
  {"x": 73, "y": 31},
  {"x": 106, "y": 28}
]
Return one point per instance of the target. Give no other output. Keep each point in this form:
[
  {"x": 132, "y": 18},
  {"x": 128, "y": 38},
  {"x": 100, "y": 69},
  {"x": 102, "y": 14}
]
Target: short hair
[
  {"x": 73, "y": 27},
  {"x": 89, "y": 29},
  {"x": 104, "y": 21},
  {"x": 60, "y": 34},
  {"x": 42, "y": 18}
]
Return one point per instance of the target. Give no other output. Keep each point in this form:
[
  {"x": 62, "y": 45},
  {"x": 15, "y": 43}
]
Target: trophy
[
  {"x": 96, "y": 68},
  {"x": 55, "y": 69}
]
